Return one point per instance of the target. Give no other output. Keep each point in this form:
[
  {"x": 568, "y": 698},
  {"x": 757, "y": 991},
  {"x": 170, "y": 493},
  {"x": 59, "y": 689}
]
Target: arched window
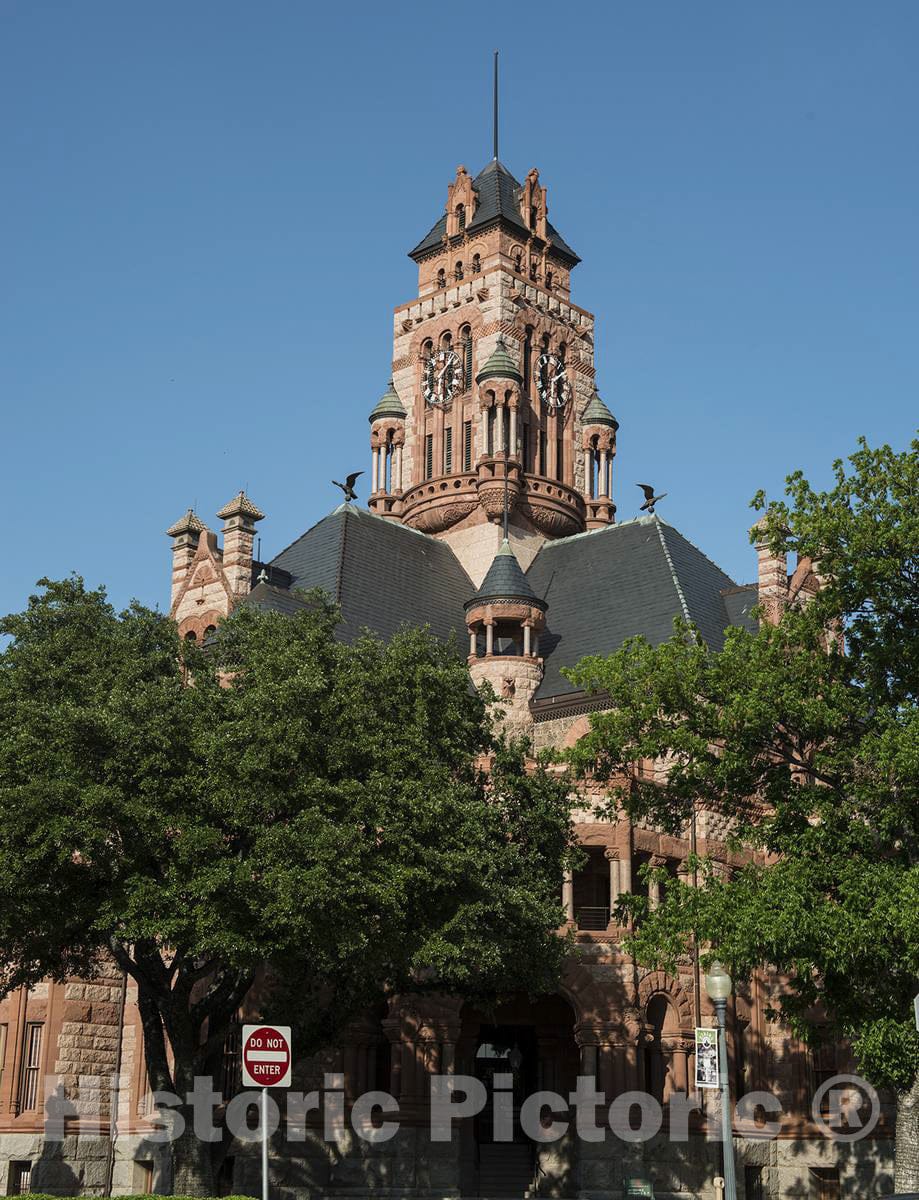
[
  {"x": 427, "y": 349},
  {"x": 446, "y": 340},
  {"x": 534, "y": 213},
  {"x": 476, "y": 263},
  {"x": 191, "y": 636},
  {"x": 562, "y": 351},
  {"x": 534, "y": 267},
  {"x": 518, "y": 261},
  {"x": 441, "y": 278},
  {"x": 548, "y": 281},
  {"x": 461, "y": 217},
  {"x": 458, "y": 271},
  {"x": 210, "y": 632}
]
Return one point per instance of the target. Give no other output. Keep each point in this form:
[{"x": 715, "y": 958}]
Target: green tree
[
  {"x": 280, "y": 806},
  {"x": 813, "y": 747}
]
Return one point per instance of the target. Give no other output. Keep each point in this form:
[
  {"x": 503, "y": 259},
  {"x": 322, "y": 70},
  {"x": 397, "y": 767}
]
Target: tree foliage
[
  {"x": 279, "y": 806},
  {"x": 811, "y": 743}
]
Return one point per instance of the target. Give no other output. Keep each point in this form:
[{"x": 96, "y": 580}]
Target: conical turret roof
[
  {"x": 500, "y": 365},
  {"x": 505, "y": 581},
  {"x": 389, "y": 405},
  {"x": 596, "y": 413}
]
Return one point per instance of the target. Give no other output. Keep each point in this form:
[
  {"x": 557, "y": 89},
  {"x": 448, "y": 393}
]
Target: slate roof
[
  {"x": 600, "y": 588},
  {"x": 498, "y": 193},
  {"x": 504, "y": 580},
  {"x": 615, "y": 583},
  {"x": 383, "y": 575}
]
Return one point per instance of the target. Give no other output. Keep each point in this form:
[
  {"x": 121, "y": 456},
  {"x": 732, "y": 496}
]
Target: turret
[
  {"x": 499, "y": 382},
  {"x": 185, "y": 534},
  {"x": 239, "y": 517},
  {"x": 598, "y": 434},
  {"x": 504, "y": 619},
  {"x": 387, "y": 438}
]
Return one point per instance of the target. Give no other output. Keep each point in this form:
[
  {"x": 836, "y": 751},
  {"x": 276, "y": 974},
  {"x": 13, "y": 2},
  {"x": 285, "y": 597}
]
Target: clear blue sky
[{"x": 206, "y": 208}]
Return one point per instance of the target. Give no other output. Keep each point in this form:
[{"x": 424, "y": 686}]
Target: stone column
[
  {"x": 625, "y": 864},
  {"x": 526, "y": 641},
  {"x": 568, "y": 895},
  {"x": 397, "y": 468},
  {"x": 679, "y": 1057},
  {"x": 472, "y": 645},
  {"x": 374, "y": 470},
  {"x": 611, "y": 854},
  {"x": 513, "y": 438},
  {"x": 489, "y": 637},
  {"x": 601, "y": 477},
  {"x": 589, "y": 1060}
]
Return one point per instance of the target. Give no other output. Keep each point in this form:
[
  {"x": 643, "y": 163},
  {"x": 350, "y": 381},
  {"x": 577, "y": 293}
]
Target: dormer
[
  {"x": 461, "y": 200},
  {"x": 533, "y": 207}
]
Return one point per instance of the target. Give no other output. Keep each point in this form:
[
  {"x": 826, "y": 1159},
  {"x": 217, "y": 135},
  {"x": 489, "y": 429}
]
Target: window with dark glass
[
  {"x": 428, "y": 455},
  {"x": 824, "y": 1183},
  {"x": 20, "y": 1178},
  {"x": 461, "y": 216},
  {"x": 753, "y": 1183},
  {"x": 467, "y": 445},
  {"x": 448, "y": 450},
  {"x": 29, "y": 1096}
]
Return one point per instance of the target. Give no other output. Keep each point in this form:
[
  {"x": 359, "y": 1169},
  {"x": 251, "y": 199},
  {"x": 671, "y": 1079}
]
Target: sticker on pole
[
  {"x": 707, "y": 1058},
  {"x": 266, "y": 1056}
]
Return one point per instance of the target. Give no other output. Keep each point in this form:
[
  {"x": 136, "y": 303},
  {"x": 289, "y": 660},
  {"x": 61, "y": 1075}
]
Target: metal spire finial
[{"x": 496, "y": 108}]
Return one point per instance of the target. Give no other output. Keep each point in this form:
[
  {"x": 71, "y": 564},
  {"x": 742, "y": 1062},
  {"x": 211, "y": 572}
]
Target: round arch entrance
[{"x": 518, "y": 1048}]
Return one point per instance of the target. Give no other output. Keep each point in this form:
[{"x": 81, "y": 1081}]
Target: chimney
[
  {"x": 239, "y": 517},
  {"x": 185, "y": 534},
  {"x": 772, "y": 579}
]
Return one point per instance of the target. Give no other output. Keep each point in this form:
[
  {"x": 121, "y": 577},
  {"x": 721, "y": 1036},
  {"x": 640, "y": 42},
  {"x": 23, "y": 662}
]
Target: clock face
[
  {"x": 552, "y": 382},
  {"x": 442, "y": 377}
]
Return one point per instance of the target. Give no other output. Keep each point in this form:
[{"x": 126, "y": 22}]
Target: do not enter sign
[{"x": 266, "y": 1056}]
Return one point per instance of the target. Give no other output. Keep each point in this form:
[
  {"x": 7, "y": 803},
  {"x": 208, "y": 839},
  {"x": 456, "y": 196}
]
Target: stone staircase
[{"x": 506, "y": 1169}]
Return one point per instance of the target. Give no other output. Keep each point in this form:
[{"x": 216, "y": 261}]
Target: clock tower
[{"x": 492, "y": 391}]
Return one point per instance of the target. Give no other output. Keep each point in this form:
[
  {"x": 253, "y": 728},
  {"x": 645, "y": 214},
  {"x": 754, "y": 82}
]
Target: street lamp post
[{"x": 718, "y": 986}]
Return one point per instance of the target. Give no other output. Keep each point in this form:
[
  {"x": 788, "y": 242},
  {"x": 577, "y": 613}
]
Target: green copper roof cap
[
  {"x": 505, "y": 581},
  {"x": 500, "y": 365},
  {"x": 596, "y": 413},
  {"x": 389, "y": 405}
]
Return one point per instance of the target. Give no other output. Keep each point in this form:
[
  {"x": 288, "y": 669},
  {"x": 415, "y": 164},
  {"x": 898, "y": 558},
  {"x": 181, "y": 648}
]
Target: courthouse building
[{"x": 492, "y": 407}]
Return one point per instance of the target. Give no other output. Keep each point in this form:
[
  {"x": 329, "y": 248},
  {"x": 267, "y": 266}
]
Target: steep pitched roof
[
  {"x": 498, "y": 200},
  {"x": 504, "y": 580},
  {"x": 615, "y": 583},
  {"x": 382, "y": 574}
]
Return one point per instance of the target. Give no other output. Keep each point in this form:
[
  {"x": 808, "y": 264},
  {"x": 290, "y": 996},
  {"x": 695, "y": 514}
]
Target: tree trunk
[
  {"x": 906, "y": 1152},
  {"x": 192, "y": 1170}
]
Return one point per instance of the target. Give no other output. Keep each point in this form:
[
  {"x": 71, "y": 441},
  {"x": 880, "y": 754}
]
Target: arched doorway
[{"x": 516, "y": 1049}]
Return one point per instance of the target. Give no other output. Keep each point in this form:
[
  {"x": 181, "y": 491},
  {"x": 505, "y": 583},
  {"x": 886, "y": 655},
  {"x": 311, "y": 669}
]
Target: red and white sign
[{"x": 266, "y": 1056}]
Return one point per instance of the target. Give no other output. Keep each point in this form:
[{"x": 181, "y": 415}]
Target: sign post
[{"x": 266, "y": 1063}]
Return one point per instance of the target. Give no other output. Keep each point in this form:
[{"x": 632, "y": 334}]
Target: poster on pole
[{"x": 707, "y": 1058}]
